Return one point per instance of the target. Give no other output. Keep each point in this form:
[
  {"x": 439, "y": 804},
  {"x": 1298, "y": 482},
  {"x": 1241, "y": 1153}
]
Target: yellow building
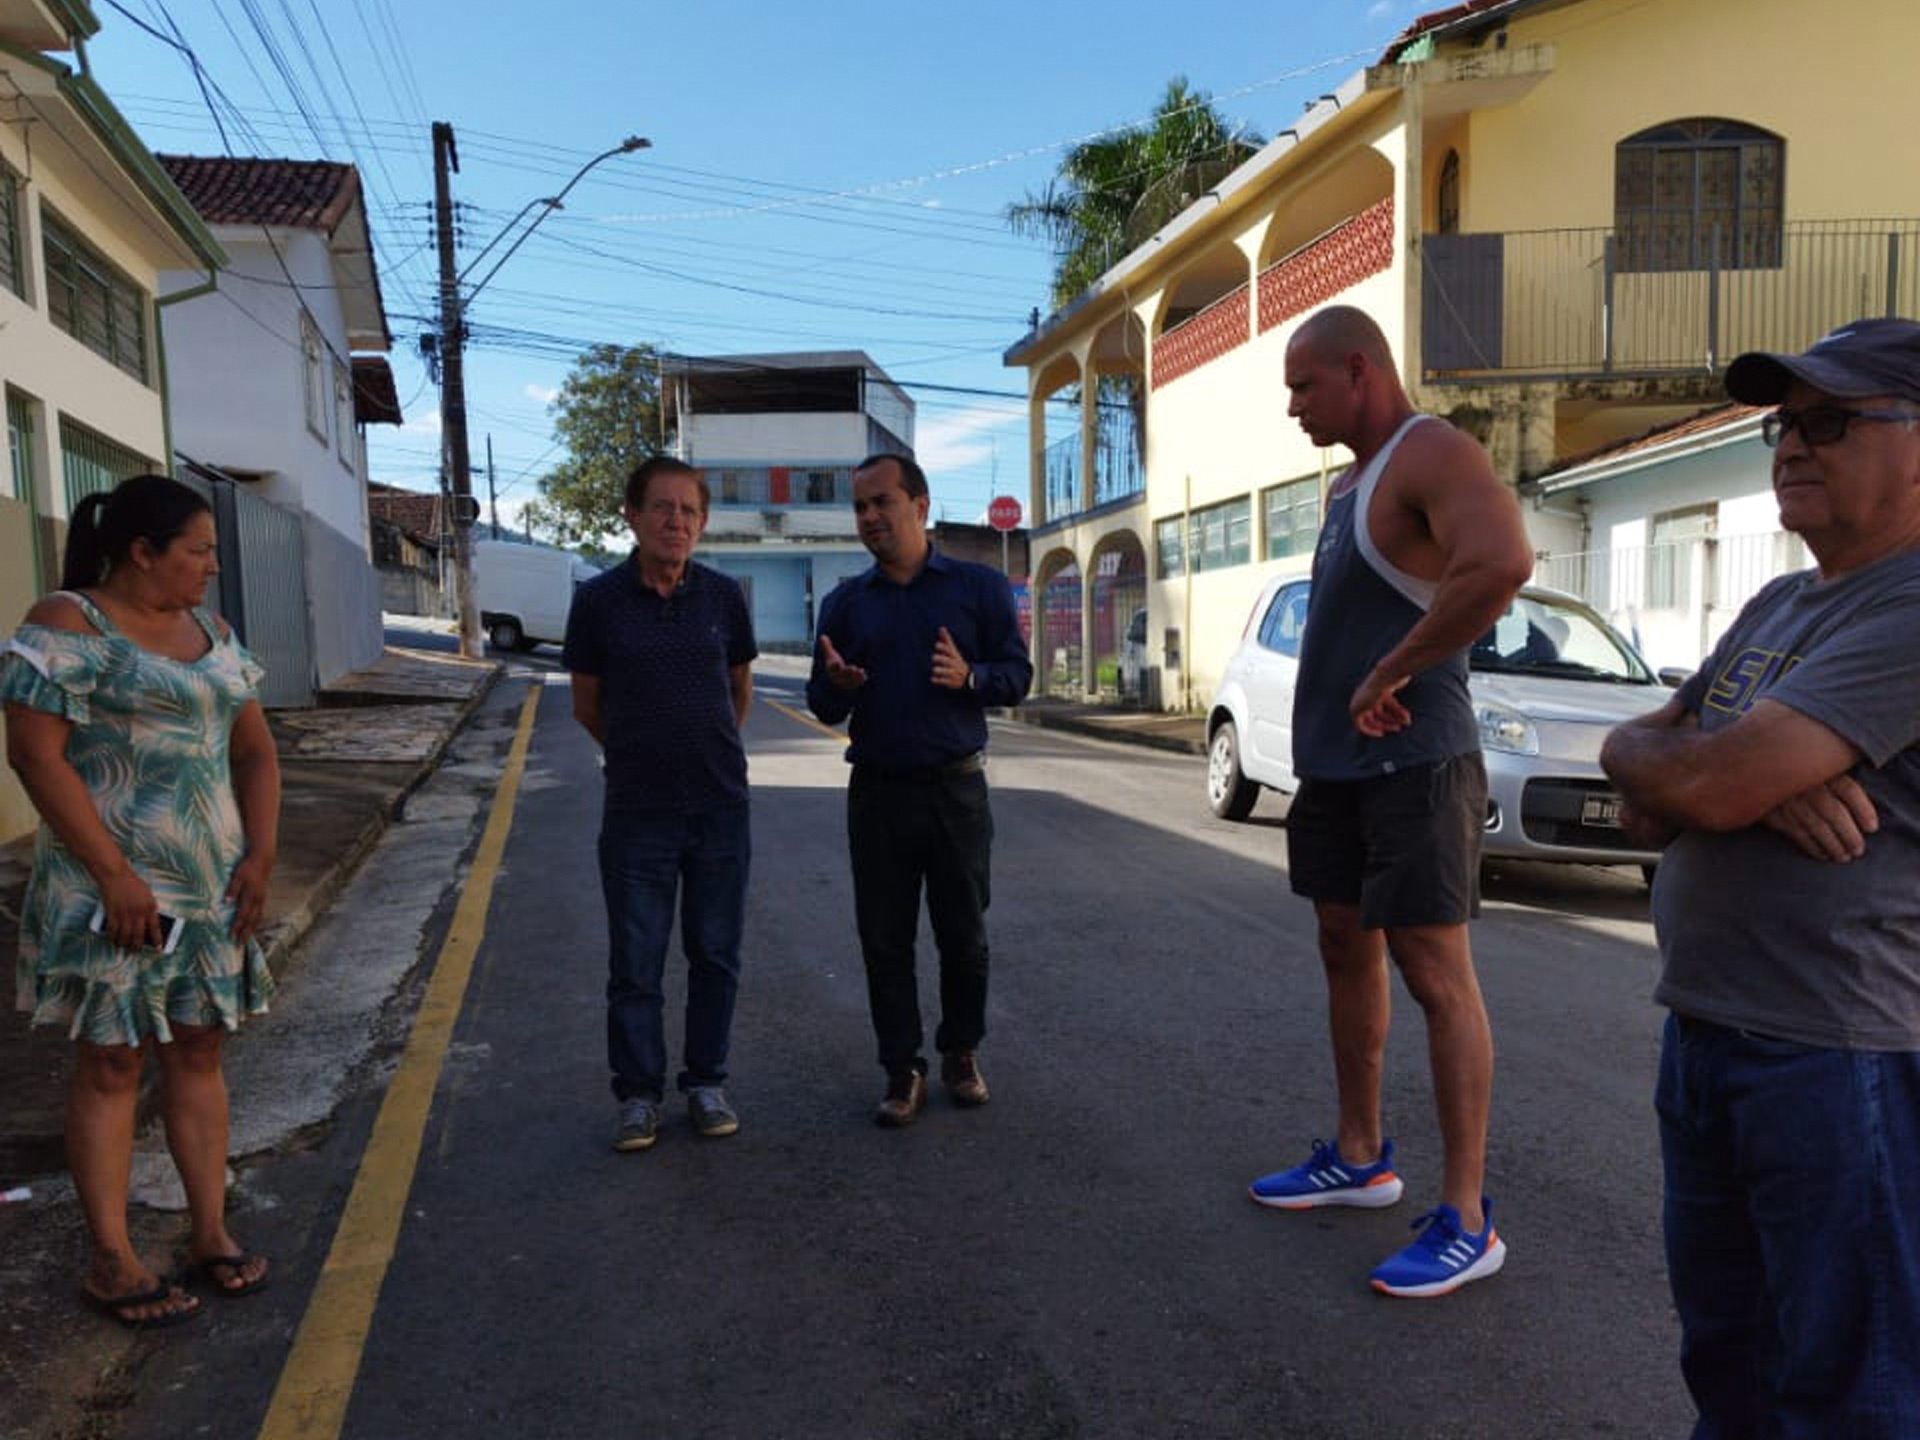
[
  {"x": 1568, "y": 215},
  {"x": 88, "y": 221}
]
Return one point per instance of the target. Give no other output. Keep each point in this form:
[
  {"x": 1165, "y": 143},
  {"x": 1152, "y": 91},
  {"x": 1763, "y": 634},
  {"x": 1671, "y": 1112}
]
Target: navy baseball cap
[{"x": 1868, "y": 357}]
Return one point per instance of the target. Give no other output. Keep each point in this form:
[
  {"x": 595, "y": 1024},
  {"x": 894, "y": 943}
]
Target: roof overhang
[
  {"x": 350, "y": 245},
  {"x": 114, "y": 171},
  {"x": 47, "y": 24},
  {"x": 376, "y": 400},
  {"x": 1361, "y": 94},
  {"x": 1687, "y": 439}
]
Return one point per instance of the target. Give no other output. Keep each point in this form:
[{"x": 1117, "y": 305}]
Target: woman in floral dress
[{"x": 132, "y": 723}]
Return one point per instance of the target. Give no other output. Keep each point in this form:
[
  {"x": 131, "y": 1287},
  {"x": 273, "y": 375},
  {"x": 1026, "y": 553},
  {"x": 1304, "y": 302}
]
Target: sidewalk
[
  {"x": 1157, "y": 729},
  {"x": 344, "y": 768}
]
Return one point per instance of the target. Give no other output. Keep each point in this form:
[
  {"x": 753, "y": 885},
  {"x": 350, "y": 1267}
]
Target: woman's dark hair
[{"x": 100, "y": 536}]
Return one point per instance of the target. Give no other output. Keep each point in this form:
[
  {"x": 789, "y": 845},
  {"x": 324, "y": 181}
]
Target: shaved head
[{"x": 1338, "y": 331}]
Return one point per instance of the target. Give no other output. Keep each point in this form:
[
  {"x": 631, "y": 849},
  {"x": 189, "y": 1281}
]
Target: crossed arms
[{"x": 1772, "y": 766}]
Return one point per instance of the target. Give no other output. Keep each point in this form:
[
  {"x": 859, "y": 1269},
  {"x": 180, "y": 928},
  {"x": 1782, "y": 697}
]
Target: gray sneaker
[
  {"x": 712, "y": 1116},
  {"x": 639, "y": 1124}
]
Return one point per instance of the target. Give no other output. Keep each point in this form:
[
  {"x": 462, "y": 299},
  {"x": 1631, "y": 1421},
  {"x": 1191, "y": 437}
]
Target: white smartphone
[{"x": 170, "y": 927}]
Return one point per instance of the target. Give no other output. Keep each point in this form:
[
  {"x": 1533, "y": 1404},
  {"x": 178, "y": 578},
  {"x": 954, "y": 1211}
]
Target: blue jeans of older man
[
  {"x": 646, "y": 861},
  {"x": 1793, "y": 1233}
]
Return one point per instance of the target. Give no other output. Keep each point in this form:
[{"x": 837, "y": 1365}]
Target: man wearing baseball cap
[{"x": 1785, "y": 777}]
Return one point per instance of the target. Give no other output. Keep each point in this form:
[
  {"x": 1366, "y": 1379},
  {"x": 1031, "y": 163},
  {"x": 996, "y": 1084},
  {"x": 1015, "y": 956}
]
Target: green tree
[
  {"x": 1114, "y": 191},
  {"x": 607, "y": 414}
]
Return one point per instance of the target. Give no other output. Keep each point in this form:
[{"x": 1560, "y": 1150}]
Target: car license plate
[{"x": 1601, "y": 810}]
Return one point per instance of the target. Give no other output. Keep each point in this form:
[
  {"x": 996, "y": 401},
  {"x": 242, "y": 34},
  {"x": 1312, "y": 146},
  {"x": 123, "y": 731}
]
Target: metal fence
[
  {"x": 1117, "y": 471},
  {"x": 1564, "y": 303},
  {"x": 262, "y": 587}
]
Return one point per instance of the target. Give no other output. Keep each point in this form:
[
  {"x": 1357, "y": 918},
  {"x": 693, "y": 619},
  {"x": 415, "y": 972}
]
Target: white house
[
  {"x": 777, "y": 437},
  {"x": 1671, "y": 532},
  {"x": 264, "y": 391}
]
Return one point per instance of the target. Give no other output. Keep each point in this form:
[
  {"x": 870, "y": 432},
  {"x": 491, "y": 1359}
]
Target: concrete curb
[
  {"x": 1177, "y": 734},
  {"x": 292, "y": 927}
]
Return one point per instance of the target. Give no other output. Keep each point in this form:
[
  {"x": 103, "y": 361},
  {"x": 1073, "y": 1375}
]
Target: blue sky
[{"x": 823, "y": 176}]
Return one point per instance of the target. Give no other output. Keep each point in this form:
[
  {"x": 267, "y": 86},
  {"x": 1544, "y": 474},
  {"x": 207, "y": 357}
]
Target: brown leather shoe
[
  {"x": 906, "y": 1093},
  {"x": 960, "y": 1072}
]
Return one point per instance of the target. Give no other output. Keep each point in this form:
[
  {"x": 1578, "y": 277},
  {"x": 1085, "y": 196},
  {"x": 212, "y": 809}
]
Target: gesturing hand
[
  {"x": 950, "y": 667},
  {"x": 840, "y": 674}
]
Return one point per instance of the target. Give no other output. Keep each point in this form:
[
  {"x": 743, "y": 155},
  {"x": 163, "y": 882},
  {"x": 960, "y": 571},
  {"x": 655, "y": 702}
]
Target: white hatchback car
[{"x": 1549, "y": 680}]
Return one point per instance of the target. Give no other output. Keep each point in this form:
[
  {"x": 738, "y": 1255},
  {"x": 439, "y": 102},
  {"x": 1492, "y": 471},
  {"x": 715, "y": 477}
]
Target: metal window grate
[{"x": 90, "y": 462}]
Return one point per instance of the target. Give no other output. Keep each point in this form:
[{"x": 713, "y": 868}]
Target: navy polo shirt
[
  {"x": 901, "y": 719},
  {"x": 666, "y": 695}
]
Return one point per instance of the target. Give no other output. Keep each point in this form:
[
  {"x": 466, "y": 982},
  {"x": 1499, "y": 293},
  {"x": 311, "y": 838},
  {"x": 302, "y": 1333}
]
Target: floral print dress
[{"x": 149, "y": 739}]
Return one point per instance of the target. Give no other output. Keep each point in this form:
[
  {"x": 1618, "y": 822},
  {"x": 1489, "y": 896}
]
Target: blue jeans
[
  {"x": 1793, "y": 1233},
  {"x": 644, "y": 859}
]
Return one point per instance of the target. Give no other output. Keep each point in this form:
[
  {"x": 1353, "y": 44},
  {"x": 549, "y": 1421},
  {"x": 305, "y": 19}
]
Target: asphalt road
[{"x": 1077, "y": 1259}]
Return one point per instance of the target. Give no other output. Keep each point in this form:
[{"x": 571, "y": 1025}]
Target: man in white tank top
[{"x": 1422, "y": 548}]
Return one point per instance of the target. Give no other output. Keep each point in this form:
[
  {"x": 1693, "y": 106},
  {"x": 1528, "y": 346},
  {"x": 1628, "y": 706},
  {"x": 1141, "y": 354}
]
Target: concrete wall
[{"x": 799, "y": 439}]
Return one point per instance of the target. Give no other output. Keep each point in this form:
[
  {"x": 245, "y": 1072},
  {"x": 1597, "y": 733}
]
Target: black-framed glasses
[{"x": 1821, "y": 424}]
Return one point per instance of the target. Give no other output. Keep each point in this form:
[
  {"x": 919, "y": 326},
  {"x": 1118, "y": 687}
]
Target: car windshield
[{"x": 1545, "y": 635}]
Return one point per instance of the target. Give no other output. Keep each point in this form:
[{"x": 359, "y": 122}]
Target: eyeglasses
[
  {"x": 1821, "y": 424},
  {"x": 670, "y": 510}
]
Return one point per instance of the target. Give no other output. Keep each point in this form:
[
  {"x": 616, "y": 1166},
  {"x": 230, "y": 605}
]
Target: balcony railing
[
  {"x": 1555, "y": 303},
  {"x": 1117, "y": 472}
]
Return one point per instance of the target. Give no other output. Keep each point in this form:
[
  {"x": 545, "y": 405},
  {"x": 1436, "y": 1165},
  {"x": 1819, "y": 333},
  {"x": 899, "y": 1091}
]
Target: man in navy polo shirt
[
  {"x": 661, "y": 651},
  {"x": 914, "y": 649}
]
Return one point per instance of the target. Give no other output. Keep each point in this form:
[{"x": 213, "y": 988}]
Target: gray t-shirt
[{"x": 1754, "y": 934}]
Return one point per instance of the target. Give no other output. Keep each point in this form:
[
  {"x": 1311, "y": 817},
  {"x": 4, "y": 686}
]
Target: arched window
[
  {"x": 1449, "y": 199},
  {"x": 1698, "y": 194}
]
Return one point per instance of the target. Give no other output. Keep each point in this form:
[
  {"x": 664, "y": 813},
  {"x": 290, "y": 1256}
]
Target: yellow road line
[
  {"x": 805, "y": 719},
  {"x": 310, "y": 1402}
]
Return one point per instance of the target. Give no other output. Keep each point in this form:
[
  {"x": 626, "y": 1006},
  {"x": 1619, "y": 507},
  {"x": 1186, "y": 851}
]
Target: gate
[{"x": 262, "y": 585}]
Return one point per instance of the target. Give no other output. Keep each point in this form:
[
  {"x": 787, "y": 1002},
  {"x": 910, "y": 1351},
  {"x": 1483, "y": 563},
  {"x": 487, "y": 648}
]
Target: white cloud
[
  {"x": 1380, "y": 10},
  {"x": 542, "y": 395}
]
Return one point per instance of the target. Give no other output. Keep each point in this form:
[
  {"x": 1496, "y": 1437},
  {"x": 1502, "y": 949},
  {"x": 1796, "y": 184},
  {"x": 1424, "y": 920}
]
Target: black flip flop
[
  {"x": 112, "y": 1306},
  {"x": 237, "y": 1264}
]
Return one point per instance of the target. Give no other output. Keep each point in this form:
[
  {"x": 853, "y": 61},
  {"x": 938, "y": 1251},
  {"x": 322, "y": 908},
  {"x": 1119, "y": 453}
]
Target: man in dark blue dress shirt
[
  {"x": 915, "y": 649},
  {"x": 661, "y": 651}
]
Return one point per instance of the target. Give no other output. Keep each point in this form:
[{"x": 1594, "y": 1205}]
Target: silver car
[{"x": 1549, "y": 680}]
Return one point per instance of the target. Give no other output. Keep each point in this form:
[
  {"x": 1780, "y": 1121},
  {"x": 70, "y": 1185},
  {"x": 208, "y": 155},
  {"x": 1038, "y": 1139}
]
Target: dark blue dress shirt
[{"x": 901, "y": 719}]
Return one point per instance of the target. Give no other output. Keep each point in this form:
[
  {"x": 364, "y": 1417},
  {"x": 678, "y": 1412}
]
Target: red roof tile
[
  {"x": 417, "y": 514},
  {"x": 1702, "y": 423},
  {"x": 300, "y": 194}
]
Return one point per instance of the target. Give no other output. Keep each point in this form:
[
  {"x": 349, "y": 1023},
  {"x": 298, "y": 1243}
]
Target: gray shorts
[{"x": 1404, "y": 847}]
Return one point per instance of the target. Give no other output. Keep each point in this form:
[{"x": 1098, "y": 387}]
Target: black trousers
[{"x": 931, "y": 829}]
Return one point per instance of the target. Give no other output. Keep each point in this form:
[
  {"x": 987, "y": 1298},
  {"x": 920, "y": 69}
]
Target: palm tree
[{"x": 1112, "y": 192}]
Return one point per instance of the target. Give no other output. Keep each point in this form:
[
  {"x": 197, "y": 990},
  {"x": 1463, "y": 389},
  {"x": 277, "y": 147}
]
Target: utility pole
[
  {"x": 493, "y": 496},
  {"x": 455, "y": 458}
]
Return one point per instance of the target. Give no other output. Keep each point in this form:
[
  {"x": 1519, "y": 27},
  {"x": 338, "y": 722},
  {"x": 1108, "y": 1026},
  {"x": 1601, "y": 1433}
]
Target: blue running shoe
[
  {"x": 1444, "y": 1257},
  {"x": 1326, "y": 1179}
]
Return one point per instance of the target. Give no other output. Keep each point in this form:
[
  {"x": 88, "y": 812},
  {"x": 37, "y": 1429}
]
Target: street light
[{"x": 455, "y": 455}]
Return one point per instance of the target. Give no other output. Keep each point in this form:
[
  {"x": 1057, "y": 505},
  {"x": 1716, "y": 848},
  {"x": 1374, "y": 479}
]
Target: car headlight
[{"x": 1504, "y": 728}]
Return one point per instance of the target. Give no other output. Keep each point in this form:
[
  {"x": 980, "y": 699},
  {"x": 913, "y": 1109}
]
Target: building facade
[
  {"x": 1565, "y": 220},
  {"x": 89, "y": 224},
  {"x": 776, "y": 438}
]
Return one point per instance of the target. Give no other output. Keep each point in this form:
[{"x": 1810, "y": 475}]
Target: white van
[{"x": 523, "y": 591}]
